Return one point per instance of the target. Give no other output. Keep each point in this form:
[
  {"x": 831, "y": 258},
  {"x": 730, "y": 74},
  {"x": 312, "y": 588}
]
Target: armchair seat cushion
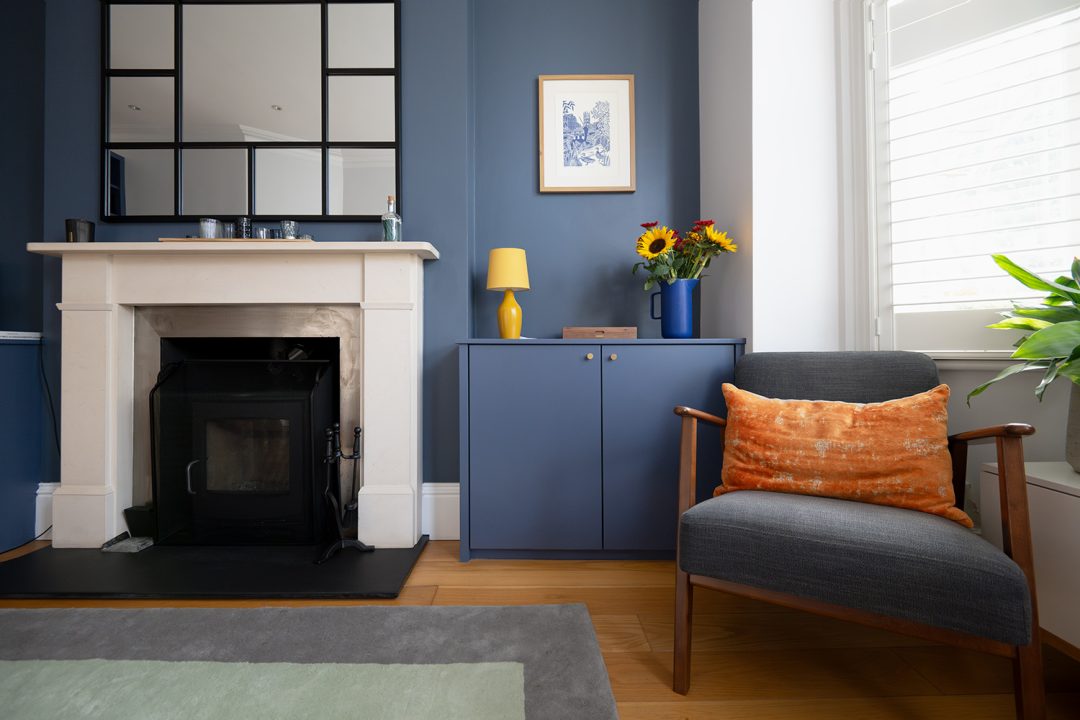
[{"x": 884, "y": 560}]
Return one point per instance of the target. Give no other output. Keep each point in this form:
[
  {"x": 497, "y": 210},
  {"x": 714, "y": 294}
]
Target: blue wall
[
  {"x": 22, "y": 65},
  {"x": 22, "y": 60},
  {"x": 580, "y": 246},
  {"x": 469, "y": 72},
  {"x": 20, "y": 412}
]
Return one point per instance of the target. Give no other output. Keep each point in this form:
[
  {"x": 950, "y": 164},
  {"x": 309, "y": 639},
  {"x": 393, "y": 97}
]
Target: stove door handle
[{"x": 187, "y": 472}]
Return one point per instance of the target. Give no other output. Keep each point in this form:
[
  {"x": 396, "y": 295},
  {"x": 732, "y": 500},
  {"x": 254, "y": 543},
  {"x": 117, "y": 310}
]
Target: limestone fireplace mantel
[{"x": 105, "y": 283}]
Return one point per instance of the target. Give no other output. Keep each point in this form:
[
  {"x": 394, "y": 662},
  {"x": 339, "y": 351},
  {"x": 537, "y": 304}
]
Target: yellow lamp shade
[{"x": 507, "y": 269}]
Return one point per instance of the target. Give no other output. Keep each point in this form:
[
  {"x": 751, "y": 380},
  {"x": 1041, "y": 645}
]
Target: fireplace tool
[{"x": 340, "y": 510}]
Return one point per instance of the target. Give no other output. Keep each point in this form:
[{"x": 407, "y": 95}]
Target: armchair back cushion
[
  {"x": 856, "y": 377},
  {"x": 886, "y": 453}
]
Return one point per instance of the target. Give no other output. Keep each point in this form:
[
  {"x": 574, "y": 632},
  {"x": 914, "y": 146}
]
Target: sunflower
[
  {"x": 719, "y": 238},
  {"x": 655, "y": 241}
]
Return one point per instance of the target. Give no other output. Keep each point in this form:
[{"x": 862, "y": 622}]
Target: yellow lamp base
[{"x": 509, "y": 317}]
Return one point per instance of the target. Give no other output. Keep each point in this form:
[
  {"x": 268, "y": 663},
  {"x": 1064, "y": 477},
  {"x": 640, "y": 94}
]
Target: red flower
[
  {"x": 703, "y": 223},
  {"x": 649, "y": 224}
]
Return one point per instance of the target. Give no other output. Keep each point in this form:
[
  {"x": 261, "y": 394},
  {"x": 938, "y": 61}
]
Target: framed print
[{"x": 587, "y": 133}]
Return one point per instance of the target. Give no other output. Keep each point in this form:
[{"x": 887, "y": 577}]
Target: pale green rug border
[
  {"x": 165, "y": 690},
  {"x": 564, "y": 672}
]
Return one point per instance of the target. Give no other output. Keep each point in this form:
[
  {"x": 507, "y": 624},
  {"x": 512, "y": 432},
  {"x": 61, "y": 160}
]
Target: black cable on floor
[{"x": 16, "y": 547}]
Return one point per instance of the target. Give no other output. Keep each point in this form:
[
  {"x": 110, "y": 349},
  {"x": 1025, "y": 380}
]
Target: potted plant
[
  {"x": 676, "y": 263},
  {"x": 1053, "y": 345}
]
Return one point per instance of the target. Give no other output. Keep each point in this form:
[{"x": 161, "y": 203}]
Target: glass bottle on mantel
[{"x": 391, "y": 222}]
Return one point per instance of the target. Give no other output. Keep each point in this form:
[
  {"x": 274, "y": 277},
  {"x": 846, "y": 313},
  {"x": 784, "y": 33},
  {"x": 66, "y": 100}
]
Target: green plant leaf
[
  {"x": 1054, "y": 315},
  {"x": 1020, "y": 323},
  {"x": 1076, "y": 270},
  {"x": 1048, "y": 377},
  {"x": 1071, "y": 370},
  {"x": 1033, "y": 281},
  {"x": 1011, "y": 370},
  {"x": 1067, "y": 282},
  {"x": 1056, "y": 341}
]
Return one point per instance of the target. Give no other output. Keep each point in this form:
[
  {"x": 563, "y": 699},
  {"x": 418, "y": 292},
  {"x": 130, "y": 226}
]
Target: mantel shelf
[{"x": 425, "y": 251}]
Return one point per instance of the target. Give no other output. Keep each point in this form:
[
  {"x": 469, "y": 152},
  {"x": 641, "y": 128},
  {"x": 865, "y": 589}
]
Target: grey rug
[{"x": 564, "y": 674}]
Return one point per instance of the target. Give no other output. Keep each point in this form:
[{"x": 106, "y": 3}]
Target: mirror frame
[{"x": 177, "y": 145}]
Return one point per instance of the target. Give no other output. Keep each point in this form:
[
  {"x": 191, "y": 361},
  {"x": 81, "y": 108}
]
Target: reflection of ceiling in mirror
[
  {"x": 140, "y": 109},
  {"x": 273, "y": 52}
]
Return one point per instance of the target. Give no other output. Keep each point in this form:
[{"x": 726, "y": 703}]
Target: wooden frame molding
[{"x": 544, "y": 187}]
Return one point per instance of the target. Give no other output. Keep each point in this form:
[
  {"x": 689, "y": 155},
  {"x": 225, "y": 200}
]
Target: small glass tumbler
[
  {"x": 290, "y": 228},
  {"x": 230, "y": 230},
  {"x": 263, "y": 233},
  {"x": 243, "y": 227},
  {"x": 210, "y": 228}
]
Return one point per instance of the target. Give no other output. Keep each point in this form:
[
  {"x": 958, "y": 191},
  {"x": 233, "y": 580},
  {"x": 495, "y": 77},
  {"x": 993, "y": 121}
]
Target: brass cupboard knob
[
  {"x": 613, "y": 357},
  {"x": 588, "y": 356}
]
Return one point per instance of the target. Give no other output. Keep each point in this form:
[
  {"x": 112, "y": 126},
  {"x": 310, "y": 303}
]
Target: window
[{"x": 975, "y": 149}]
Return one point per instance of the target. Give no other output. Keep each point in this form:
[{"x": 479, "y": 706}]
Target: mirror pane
[
  {"x": 252, "y": 73},
  {"x": 215, "y": 181},
  {"x": 362, "y": 108},
  {"x": 140, "y": 182},
  {"x": 360, "y": 35},
  {"x": 141, "y": 109},
  {"x": 360, "y": 180},
  {"x": 141, "y": 37},
  {"x": 288, "y": 181}
]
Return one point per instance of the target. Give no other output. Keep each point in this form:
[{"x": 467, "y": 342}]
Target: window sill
[{"x": 971, "y": 359}]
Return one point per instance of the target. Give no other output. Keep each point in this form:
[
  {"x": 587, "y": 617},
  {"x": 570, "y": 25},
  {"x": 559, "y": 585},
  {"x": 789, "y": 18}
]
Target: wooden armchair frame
[{"x": 1016, "y": 534}]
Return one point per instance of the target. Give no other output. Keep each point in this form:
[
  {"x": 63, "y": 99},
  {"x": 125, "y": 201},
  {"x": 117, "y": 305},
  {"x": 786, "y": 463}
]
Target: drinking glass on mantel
[{"x": 210, "y": 228}]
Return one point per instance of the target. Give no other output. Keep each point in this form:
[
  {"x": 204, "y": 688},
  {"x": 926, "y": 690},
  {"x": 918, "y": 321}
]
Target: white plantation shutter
[{"x": 977, "y": 124}]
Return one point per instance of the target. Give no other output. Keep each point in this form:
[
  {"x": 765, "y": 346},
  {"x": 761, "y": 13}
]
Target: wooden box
[{"x": 592, "y": 333}]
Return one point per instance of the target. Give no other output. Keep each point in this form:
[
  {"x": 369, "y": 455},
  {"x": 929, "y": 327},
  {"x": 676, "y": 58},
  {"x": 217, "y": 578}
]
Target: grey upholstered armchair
[{"x": 902, "y": 570}]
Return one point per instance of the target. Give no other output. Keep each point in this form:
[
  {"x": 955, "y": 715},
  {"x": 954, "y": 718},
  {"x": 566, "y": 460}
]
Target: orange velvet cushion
[{"x": 888, "y": 453}]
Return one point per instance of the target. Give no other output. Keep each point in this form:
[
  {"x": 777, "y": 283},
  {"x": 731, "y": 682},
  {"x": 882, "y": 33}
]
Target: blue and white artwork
[{"x": 586, "y": 134}]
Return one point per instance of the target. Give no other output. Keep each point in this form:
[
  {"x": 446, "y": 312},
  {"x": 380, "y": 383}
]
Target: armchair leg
[
  {"x": 1028, "y": 684},
  {"x": 684, "y": 611}
]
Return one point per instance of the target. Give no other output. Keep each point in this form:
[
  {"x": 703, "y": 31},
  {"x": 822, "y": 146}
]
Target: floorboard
[{"x": 752, "y": 661}]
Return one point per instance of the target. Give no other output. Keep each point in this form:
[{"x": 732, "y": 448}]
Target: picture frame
[{"x": 586, "y": 128}]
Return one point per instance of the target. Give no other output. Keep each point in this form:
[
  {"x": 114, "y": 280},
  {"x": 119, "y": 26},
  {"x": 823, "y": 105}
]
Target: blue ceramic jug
[{"x": 676, "y": 314}]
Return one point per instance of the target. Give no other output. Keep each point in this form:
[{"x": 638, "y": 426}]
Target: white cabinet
[{"x": 1054, "y": 506}]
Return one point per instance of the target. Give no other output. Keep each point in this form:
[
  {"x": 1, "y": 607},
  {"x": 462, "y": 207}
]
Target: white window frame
[{"x": 868, "y": 322}]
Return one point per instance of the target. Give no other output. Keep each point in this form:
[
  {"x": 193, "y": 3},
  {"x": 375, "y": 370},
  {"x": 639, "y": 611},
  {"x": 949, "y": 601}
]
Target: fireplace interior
[{"x": 238, "y": 427}]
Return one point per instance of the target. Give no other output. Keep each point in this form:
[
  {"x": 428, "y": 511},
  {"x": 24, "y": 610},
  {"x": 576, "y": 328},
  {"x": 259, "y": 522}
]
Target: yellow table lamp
[{"x": 507, "y": 272}]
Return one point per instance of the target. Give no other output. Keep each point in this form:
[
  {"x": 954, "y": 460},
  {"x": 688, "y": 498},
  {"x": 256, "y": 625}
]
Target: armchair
[{"x": 900, "y": 570}]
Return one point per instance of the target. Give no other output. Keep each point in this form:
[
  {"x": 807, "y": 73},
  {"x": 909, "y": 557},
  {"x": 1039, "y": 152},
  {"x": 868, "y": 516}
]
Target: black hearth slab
[{"x": 208, "y": 572}]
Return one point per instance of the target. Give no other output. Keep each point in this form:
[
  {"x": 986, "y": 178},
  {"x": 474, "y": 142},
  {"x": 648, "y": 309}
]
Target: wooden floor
[{"x": 751, "y": 660}]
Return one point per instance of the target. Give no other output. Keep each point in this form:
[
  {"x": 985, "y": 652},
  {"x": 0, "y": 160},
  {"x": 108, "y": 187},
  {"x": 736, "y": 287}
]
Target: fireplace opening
[{"x": 236, "y": 440}]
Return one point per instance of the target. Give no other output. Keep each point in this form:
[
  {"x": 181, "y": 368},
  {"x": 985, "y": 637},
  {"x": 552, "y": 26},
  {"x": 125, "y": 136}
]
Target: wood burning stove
[{"x": 237, "y": 433}]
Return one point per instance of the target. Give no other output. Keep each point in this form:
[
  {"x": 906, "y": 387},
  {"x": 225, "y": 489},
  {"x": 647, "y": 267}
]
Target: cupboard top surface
[{"x": 604, "y": 341}]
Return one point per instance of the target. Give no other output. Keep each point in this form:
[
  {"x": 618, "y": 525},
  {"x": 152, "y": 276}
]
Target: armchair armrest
[
  {"x": 1012, "y": 479},
  {"x": 996, "y": 431},
  {"x": 688, "y": 452},
  {"x": 685, "y": 412}
]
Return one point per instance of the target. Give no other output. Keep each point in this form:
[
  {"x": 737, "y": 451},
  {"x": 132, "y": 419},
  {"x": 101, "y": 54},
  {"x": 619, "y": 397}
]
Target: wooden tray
[{"x": 195, "y": 239}]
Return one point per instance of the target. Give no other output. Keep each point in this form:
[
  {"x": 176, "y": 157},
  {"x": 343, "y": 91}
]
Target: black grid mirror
[{"x": 266, "y": 109}]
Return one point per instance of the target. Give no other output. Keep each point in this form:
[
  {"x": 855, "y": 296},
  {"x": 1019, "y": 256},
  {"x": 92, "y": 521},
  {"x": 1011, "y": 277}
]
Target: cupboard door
[
  {"x": 534, "y": 449},
  {"x": 641, "y": 387}
]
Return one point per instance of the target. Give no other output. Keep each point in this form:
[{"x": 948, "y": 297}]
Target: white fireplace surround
[{"x": 105, "y": 284}]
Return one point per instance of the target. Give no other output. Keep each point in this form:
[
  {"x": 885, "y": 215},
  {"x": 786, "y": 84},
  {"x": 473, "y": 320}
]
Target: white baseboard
[
  {"x": 439, "y": 511},
  {"x": 43, "y": 505}
]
